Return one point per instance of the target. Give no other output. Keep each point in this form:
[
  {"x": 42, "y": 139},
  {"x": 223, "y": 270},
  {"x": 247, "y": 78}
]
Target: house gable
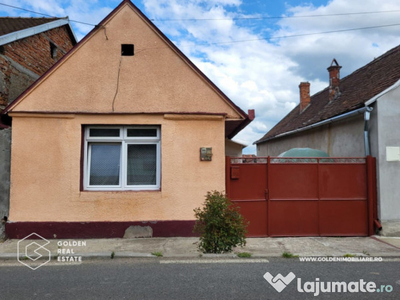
[{"x": 96, "y": 78}]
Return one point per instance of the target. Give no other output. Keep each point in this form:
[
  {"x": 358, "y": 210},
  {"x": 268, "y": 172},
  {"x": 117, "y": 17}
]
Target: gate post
[
  {"x": 227, "y": 175},
  {"x": 268, "y": 194},
  {"x": 371, "y": 186}
]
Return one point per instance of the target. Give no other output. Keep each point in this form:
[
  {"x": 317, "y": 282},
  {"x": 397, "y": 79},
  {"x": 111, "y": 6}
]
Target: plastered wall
[
  {"x": 388, "y": 124},
  {"x": 46, "y": 170}
]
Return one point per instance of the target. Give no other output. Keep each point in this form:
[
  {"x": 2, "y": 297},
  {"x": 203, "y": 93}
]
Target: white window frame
[{"x": 124, "y": 140}]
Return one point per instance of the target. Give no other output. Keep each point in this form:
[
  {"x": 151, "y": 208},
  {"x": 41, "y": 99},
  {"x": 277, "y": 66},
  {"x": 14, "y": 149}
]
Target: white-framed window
[{"x": 122, "y": 158}]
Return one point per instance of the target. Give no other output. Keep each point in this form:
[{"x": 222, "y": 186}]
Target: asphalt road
[{"x": 166, "y": 279}]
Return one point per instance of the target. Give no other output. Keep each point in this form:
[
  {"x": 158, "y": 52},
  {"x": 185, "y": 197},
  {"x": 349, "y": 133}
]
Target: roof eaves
[
  {"x": 250, "y": 117},
  {"x": 317, "y": 124},
  {"x": 237, "y": 143},
  {"x": 20, "y": 34}
]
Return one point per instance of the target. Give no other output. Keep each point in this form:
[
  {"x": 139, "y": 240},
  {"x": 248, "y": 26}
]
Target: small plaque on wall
[
  {"x": 205, "y": 153},
  {"x": 392, "y": 153}
]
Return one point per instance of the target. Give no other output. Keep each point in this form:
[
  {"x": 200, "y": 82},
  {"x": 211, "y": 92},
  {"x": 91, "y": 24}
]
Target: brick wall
[
  {"x": 12, "y": 81},
  {"x": 23, "y": 61},
  {"x": 304, "y": 95}
]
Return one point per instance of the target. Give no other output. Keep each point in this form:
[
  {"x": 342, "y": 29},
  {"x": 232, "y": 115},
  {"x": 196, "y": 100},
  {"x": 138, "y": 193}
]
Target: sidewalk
[{"x": 187, "y": 247}]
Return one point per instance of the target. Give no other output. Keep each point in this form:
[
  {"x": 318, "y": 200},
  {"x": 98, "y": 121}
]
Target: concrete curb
[
  {"x": 90, "y": 255},
  {"x": 8, "y": 256},
  {"x": 213, "y": 255},
  {"x": 208, "y": 256},
  {"x": 172, "y": 255},
  {"x": 132, "y": 255},
  {"x": 93, "y": 255}
]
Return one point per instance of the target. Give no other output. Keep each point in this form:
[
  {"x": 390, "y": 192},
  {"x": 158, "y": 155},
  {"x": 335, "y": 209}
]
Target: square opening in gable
[{"x": 127, "y": 50}]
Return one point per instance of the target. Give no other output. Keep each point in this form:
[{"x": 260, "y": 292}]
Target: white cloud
[{"x": 352, "y": 49}]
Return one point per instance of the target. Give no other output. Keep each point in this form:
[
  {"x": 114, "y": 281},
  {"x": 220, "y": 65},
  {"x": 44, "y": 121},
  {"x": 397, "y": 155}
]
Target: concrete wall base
[{"x": 390, "y": 228}]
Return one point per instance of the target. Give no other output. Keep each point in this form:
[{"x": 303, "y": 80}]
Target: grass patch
[
  {"x": 288, "y": 255},
  {"x": 157, "y": 253},
  {"x": 244, "y": 255},
  {"x": 349, "y": 255},
  {"x": 112, "y": 255}
]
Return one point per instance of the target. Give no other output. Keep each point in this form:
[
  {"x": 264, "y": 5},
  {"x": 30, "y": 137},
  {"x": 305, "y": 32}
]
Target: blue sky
[{"x": 256, "y": 62}]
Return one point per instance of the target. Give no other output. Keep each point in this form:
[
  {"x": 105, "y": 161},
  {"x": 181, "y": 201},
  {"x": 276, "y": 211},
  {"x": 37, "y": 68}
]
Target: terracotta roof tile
[
  {"x": 9, "y": 24},
  {"x": 355, "y": 89}
]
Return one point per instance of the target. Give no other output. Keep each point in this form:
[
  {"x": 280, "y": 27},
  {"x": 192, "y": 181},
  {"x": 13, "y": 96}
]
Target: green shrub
[
  {"x": 157, "y": 253},
  {"x": 349, "y": 255},
  {"x": 244, "y": 255},
  {"x": 288, "y": 255},
  {"x": 220, "y": 225}
]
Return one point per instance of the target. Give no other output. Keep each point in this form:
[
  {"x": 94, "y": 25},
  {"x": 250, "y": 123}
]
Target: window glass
[
  {"x": 104, "y": 163},
  {"x": 142, "y": 165},
  {"x": 122, "y": 158},
  {"x": 106, "y": 132},
  {"x": 142, "y": 132}
]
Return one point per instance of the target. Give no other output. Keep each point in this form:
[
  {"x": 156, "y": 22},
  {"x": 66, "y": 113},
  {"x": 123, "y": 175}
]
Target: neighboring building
[
  {"x": 233, "y": 148},
  {"x": 28, "y": 48},
  {"x": 124, "y": 130},
  {"x": 355, "y": 116}
]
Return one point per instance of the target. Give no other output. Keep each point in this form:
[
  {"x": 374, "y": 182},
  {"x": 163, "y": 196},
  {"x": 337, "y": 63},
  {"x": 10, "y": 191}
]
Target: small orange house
[{"x": 112, "y": 136}]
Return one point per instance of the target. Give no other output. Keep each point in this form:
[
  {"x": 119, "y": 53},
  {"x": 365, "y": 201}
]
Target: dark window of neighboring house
[
  {"x": 53, "y": 50},
  {"x": 122, "y": 158}
]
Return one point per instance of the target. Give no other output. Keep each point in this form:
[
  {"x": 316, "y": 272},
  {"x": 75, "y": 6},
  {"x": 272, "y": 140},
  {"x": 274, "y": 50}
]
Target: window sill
[{"x": 120, "y": 191}]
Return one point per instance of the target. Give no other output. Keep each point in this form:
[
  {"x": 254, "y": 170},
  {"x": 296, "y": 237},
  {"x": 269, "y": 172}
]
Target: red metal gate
[{"x": 304, "y": 196}]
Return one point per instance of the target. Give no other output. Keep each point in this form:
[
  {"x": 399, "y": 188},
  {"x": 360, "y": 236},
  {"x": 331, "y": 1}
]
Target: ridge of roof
[{"x": 356, "y": 88}]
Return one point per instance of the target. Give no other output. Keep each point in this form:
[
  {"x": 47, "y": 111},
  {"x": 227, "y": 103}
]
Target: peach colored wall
[
  {"x": 46, "y": 149},
  {"x": 155, "y": 79},
  {"x": 45, "y": 171}
]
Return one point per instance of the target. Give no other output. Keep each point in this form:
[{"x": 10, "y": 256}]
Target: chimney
[
  {"x": 304, "y": 95},
  {"x": 334, "y": 80}
]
